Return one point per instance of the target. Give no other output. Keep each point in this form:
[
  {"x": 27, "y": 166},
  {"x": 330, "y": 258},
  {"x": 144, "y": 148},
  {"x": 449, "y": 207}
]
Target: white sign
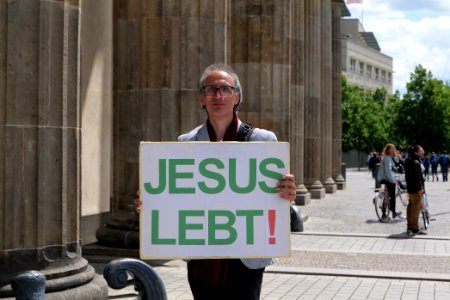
[{"x": 203, "y": 199}]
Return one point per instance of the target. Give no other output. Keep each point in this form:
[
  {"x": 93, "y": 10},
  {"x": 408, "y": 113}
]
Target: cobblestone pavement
[{"x": 345, "y": 253}]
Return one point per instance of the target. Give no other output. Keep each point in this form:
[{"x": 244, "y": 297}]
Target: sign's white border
[{"x": 230, "y": 217}]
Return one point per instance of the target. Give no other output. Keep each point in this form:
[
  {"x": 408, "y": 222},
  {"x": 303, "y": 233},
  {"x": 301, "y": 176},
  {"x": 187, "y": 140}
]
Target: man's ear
[{"x": 238, "y": 100}]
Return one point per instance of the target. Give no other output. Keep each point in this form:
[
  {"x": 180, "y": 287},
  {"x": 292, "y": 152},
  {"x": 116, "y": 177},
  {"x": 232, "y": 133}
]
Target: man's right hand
[{"x": 138, "y": 202}]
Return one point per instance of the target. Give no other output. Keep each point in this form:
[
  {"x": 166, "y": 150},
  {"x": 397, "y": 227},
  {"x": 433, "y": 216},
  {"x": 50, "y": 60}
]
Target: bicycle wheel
[
  {"x": 402, "y": 197},
  {"x": 424, "y": 218},
  {"x": 381, "y": 206}
]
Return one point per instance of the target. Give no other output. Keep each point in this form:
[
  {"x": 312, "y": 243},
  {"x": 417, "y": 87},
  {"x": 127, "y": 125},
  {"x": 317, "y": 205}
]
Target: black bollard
[
  {"x": 146, "y": 281},
  {"x": 344, "y": 170},
  {"x": 296, "y": 219},
  {"x": 29, "y": 286}
]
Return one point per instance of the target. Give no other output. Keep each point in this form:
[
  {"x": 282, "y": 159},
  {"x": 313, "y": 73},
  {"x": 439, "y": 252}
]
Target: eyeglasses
[{"x": 224, "y": 90}]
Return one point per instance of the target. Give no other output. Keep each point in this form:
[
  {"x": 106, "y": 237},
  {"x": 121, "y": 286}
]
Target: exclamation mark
[{"x": 272, "y": 239}]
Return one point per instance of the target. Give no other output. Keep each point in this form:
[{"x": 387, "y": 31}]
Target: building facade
[
  {"x": 363, "y": 63},
  {"x": 83, "y": 82}
]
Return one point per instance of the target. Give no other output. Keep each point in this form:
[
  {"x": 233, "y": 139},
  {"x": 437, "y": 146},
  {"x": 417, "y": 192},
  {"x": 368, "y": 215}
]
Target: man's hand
[
  {"x": 138, "y": 202},
  {"x": 286, "y": 188}
]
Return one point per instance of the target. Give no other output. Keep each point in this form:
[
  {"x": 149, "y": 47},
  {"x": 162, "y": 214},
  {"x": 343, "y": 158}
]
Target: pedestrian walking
[
  {"x": 434, "y": 161},
  {"x": 443, "y": 162}
]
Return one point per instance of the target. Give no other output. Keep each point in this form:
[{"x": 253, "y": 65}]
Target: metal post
[
  {"x": 29, "y": 286},
  {"x": 296, "y": 219},
  {"x": 146, "y": 281}
]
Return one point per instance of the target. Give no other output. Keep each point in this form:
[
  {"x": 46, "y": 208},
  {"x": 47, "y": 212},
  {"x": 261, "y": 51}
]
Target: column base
[
  {"x": 340, "y": 182},
  {"x": 303, "y": 197},
  {"x": 330, "y": 186},
  {"x": 317, "y": 193},
  {"x": 341, "y": 186},
  {"x": 121, "y": 230},
  {"x": 316, "y": 189},
  {"x": 71, "y": 279}
]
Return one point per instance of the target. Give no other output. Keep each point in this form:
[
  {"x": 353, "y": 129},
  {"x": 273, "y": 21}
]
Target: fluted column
[
  {"x": 312, "y": 155},
  {"x": 326, "y": 97},
  {"x": 260, "y": 50},
  {"x": 297, "y": 103},
  {"x": 337, "y": 95},
  {"x": 160, "y": 49},
  {"x": 40, "y": 149}
]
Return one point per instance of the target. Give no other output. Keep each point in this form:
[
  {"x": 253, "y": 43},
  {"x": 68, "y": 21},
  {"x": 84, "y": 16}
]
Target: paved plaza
[{"x": 346, "y": 253}]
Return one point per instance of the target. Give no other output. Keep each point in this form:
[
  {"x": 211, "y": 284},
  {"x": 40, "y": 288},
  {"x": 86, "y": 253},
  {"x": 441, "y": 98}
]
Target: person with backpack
[
  {"x": 220, "y": 95},
  {"x": 434, "y": 161},
  {"x": 443, "y": 162}
]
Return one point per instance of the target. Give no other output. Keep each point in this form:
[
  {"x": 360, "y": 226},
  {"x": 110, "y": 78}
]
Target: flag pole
[{"x": 362, "y": 13}]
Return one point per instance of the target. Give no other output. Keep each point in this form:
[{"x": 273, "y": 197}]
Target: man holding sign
[{"x": 207, "y": 228}]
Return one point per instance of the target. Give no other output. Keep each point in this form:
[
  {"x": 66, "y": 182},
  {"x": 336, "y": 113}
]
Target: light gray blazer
[{"x": 201, "y": 134}]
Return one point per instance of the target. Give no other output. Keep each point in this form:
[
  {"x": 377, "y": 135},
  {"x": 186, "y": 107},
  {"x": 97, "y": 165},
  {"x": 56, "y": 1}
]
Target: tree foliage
[
  {"x": 421, "y": 116},
  {"x": 364, "y": 125}
]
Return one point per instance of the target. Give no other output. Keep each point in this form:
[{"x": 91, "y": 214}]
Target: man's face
[{"x": 219, "y": 105}]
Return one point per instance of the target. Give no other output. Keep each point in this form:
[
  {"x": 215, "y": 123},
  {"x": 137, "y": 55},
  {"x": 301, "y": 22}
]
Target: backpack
[
  {"x": 434, "y": 159},
  {"x": 380, "y": 173},
  {"x": 244, "y": 132}
]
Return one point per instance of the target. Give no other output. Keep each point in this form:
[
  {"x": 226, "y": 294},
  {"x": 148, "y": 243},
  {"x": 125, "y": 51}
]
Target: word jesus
[{"x": 169, "y": 176}]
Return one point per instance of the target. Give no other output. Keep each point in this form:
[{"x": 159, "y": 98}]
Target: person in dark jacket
[
  {"x": 416, "y": 188},
  {"x": 444, "y": 162},
  {"x": 434, "y": 161},
  {"x": 373, "y": 162}
]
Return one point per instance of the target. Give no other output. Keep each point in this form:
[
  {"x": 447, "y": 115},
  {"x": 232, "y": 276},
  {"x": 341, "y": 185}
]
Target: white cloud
[{"x": 412, "y": 33}]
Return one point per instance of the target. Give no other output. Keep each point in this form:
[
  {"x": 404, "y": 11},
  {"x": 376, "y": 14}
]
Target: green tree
[
  {"x": 364, "y": 124},
  {"x": 421, "y": 117}
]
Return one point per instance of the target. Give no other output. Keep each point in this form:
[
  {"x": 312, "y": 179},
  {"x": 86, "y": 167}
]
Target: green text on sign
[
  {"x": 213, "y": 227},
  {"x": 208, "y": 168}
]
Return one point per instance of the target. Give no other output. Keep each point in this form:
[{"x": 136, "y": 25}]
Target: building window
[
  {"x": 352, "y": 65},
  {"x": 361, "y": 68},
  {"x": 383, "y": 75},
  {"x": 369, "y": 71},
  {"x": 389, "y": 77},
  {"x": 377, "y": 73}
]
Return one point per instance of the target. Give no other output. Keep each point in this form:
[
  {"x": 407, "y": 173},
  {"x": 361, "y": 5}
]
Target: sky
[{"x": 412, "y": 32}]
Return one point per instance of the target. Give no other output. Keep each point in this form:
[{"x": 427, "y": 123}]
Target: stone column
[
  {"x": 297, "y": 104},
  {"x": 326, "y": 97},
  {"x": 312, "y": 154},
  {"x": 160, "y": 49},
  {"x": 337, "y": 95},
  {"x": 40, "y": 149},
  {"x": 260, "y": 54}
]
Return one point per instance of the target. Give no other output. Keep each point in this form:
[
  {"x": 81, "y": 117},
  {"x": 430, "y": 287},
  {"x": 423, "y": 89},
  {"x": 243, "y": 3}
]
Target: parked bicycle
[
  {"x": 424, "y": 217},
  {"x": 382, "y": 203}
]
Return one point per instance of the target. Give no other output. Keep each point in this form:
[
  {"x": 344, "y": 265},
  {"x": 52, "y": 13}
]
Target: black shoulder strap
[{"x": 244, "y": 132}]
